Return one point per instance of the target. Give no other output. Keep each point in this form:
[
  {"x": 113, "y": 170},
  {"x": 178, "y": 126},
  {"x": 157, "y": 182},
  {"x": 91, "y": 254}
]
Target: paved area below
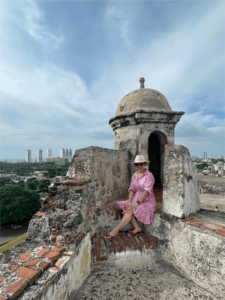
[
  {"x": 152, "y": 283},
  {"x": 7, "y": 233},
  {"x": 210, "y": 201}
]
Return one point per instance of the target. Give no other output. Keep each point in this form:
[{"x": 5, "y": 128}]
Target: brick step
[
  {"x": 110, "y": 216},
  {"x": 124, "y": 250}
]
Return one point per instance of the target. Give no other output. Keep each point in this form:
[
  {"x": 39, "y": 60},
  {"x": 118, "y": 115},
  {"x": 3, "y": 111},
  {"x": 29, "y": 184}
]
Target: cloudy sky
[{"x": 65, "y": 66}]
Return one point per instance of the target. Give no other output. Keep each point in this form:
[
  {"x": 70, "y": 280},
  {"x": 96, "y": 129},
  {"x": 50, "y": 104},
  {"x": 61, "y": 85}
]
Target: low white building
[
  {"x": 60, "y": 161},
  {"x": 220, "y": 166}
]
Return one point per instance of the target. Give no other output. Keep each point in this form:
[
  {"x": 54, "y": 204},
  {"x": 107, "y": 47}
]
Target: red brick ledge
[
  {"x": 101, "y": 249},
  {"x": 217, "y": 228},
  {"x": 29, "y": 268}
]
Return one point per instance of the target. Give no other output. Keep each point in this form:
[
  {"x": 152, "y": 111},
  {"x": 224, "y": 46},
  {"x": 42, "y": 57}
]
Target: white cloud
[
  {"x": 28, "y": 15},
  {"x": 118, "y": 18}
]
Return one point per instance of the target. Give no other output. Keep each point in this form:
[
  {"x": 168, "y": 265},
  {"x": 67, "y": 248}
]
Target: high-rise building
[
  {"x": 39, "y": 155},
  {"x": 205, "y": 155},
  {"x": 49, "y": 153},
  {"x": 66, "y": 153},
  {"x": 70, "y": 155},
  {"x": 28, "y": 156},
  {"x": 62, "y": 152}
]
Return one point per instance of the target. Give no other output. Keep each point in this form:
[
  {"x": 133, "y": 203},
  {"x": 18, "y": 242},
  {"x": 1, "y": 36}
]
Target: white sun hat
[{"x": 139, "y": 159}]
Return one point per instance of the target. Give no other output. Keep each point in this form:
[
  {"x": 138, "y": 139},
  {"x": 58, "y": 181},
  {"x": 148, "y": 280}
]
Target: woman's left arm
[{"x": 143, "y": 196}]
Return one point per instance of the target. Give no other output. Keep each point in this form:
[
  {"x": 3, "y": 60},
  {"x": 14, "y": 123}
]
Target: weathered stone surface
[
  {"x": 151, "y": 282},
  {"x": 73, "y": 220},
  {"x": 180, "y": 190},
  {"x": 29, "y": 293},
  {"x": 198, "y": 255},
  {"x": 49, "y": 200},
  {"x": 39, "y": 229},
  {"x": 135, "y": 139},
  {"x": 143, "y": 98},
  {"x": 109, "y": 180}
]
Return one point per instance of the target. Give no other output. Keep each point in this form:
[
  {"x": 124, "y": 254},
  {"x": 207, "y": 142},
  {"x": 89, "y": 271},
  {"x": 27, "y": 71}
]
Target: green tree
[
  {"x": 2, "y": 182},
  {"x": 17, "y": 204},
  {"x": 21, "y": 183},
  {"x": 32, "y": 184},
  {"x": 63, "y": 173},
  {"x": 202, "y": 166},
  {"x": 44, "y": 183},
  {"x": 51, "y": 173}
]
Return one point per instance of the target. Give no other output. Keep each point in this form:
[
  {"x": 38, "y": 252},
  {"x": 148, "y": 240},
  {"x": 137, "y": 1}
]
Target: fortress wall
[{"x": 106, "y": 169}]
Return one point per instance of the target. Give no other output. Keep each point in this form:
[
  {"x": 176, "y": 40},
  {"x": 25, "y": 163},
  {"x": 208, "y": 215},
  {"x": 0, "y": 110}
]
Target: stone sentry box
[{"x": 144, "y": 124}]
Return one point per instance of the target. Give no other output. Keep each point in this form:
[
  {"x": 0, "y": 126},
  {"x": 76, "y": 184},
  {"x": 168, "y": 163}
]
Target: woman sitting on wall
[{"x": 141, "y": 202}]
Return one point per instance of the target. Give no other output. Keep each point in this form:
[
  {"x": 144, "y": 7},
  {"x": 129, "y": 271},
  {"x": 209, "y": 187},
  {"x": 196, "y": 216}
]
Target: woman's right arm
[
  {"x": 131, "y": 194},
  {"x": 132, "y": 189}
]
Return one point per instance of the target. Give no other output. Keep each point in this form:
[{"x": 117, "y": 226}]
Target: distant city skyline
[{"x": 31, "y": 155}]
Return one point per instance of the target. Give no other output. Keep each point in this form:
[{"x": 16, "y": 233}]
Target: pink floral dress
[{"x": 144, "y": 211}]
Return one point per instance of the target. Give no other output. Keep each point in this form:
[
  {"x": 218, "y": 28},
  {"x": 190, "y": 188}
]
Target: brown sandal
[
  {"x": 131, "y": 233},
  {"x": 108, "y": 237}
]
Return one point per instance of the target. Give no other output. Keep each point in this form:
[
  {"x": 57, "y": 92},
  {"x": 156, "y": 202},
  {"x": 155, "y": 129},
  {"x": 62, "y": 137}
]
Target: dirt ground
[
  {"x": 209, "y": 179},
  {"x": 210, "y": 201}
]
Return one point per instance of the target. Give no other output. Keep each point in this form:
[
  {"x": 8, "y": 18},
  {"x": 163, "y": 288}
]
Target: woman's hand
[
  {"x": 127, "y": 203},
  {"x": 133, "y": 205}
]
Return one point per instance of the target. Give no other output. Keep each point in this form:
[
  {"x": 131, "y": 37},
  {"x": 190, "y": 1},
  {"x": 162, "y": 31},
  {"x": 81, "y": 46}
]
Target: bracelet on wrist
[{"x": 138, "y": 202}]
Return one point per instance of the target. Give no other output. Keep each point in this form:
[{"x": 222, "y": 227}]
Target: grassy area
[{"x": 13, "y": 242}]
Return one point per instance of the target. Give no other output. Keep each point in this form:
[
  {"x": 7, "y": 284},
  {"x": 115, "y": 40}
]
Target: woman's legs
[
  {"x": 125, "y": 220},
  {"x": 137, "y": 228}
]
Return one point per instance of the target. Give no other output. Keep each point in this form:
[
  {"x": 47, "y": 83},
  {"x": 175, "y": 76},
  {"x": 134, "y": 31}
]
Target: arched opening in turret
[{"x": 156, "y": 147}]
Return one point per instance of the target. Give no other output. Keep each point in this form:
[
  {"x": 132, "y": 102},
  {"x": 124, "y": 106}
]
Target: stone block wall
[
  {"x": 107, "y": 169},
  {"x": 180, "y": 190}
]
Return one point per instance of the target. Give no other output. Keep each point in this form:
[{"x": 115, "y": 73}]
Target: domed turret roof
[{"x": 142, "y": 98}]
